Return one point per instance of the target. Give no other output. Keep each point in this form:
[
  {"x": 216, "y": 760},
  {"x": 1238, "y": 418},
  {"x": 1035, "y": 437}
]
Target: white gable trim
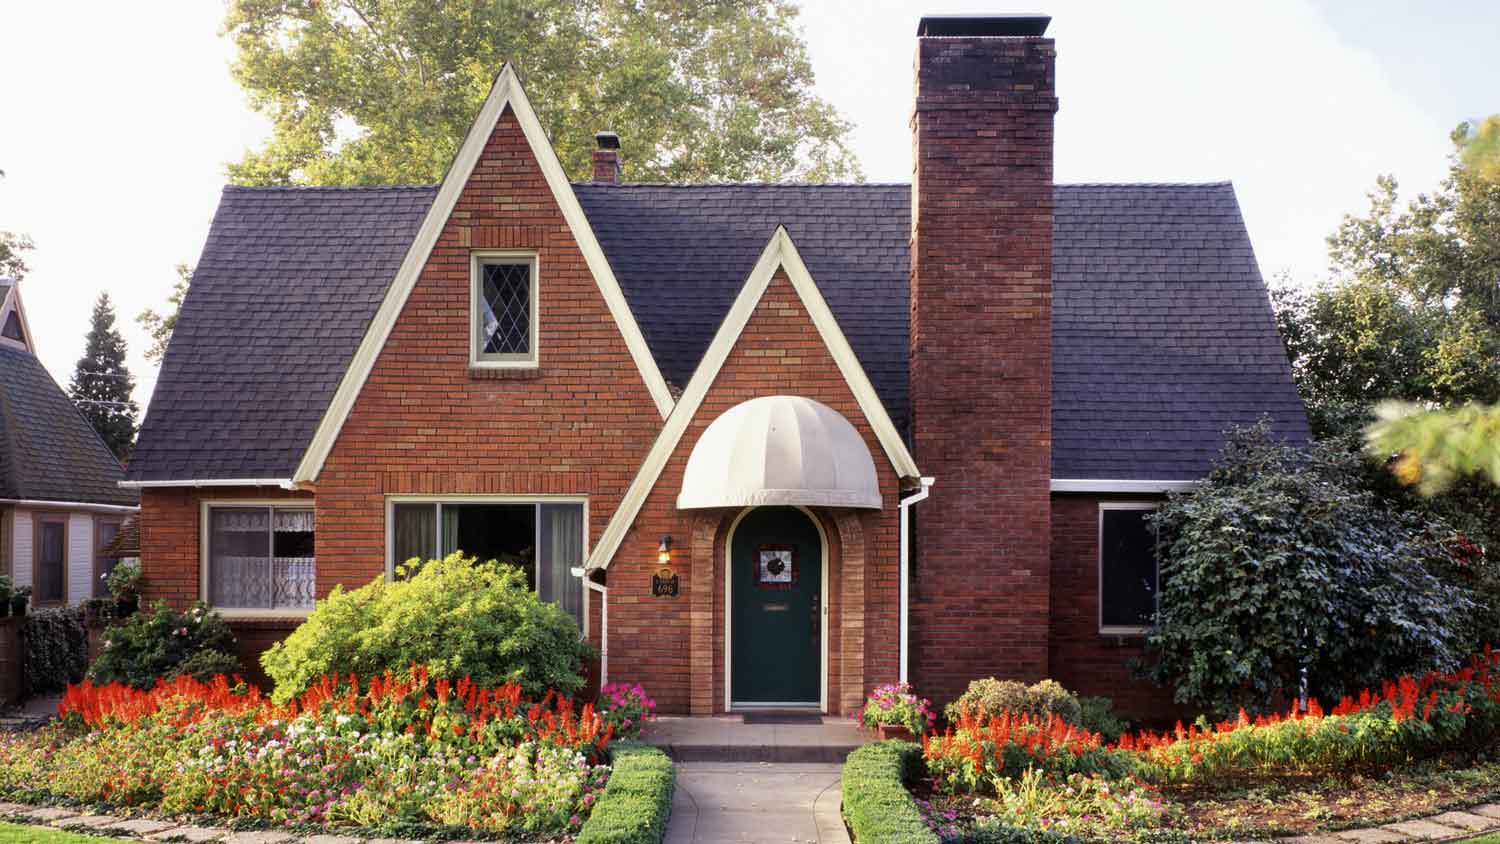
[
  {"x": 780, "y": 253},
  {"x": 12, "y": 302},
  {"x": 507, "y": 91}
]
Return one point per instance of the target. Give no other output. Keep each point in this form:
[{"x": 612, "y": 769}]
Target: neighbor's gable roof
[
  {"x": 1163, "y": 333},
  {"x": 48, "y": 451}
]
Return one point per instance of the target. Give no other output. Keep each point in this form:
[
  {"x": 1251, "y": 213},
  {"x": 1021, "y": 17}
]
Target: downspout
[
  {"x": 920, "y": 495},
  {"x": 603, "y": 591}
]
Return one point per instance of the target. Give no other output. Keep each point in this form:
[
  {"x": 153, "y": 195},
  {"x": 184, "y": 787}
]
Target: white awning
[{"x": 780, "y": 450}]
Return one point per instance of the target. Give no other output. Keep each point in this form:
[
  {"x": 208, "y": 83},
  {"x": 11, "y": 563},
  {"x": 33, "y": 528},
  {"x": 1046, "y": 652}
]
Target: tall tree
[
  {"x": 1413, "y": 313},
  {"x": 382, "y": 91},
  {"x": 160, "y": 325},
  {"x": 101, "y": 385},
  {"x": 1434, "y": 449}
]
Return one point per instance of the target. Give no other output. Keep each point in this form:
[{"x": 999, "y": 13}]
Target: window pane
[
  {"x": 52, "y": 561},
  {"x": 505, "y": 309},
  {"x": 293, "y": 576},
  {"x": 1128, "y": 570},
  {"x": 106, "y": 532},
  {"x": 239, "y": 551},
  {"x": 561, "y": 550},
  {"x": 414, "y": 534}
]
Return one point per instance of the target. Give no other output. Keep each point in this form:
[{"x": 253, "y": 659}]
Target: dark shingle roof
[
  {"x": 48, "y": 451},
  {"x": 1162, "y": 331},
  {"x": 288, "y": 280}
]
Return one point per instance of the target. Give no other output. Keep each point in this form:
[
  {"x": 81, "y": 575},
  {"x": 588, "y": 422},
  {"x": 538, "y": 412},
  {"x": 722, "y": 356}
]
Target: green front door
[{"x": 775, "y": 617}]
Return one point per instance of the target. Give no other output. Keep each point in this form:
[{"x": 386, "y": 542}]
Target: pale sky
[{"x": 115, "y": 123}]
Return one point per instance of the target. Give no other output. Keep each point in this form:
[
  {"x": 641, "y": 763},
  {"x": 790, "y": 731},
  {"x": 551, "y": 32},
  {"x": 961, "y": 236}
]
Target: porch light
[{"x": 664, "y": 551}]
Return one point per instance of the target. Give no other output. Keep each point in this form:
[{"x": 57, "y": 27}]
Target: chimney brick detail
[{"x": 981, "y": 357}]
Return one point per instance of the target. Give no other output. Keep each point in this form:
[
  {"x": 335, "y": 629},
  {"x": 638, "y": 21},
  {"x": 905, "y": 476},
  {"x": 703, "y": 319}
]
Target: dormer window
[{"x": 503, "y": 310}]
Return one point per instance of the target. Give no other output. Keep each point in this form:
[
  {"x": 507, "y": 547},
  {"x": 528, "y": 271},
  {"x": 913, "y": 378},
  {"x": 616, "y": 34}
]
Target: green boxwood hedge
[
  {"x": 877, "y": 805},
  {"x": 636, "y": 802}
]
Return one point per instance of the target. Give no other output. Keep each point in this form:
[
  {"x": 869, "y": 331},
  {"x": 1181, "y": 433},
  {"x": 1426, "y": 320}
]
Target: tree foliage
[
  {"x": 1433, "y": 449},
  {"x": 1283, "y": 560},
  {"x": 102, "y": 386},
  {"x": 1413, "y": 311},
  {"x": 12, "y": 247},
  {"x": 160, "y": 325},
  {"x": 383, "y": 91}
]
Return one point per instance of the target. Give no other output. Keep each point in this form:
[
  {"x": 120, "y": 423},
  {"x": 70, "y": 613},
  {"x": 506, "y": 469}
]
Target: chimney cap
[
  {"x": 607, "y": 140},
  {"x": 986, "y": 26}
]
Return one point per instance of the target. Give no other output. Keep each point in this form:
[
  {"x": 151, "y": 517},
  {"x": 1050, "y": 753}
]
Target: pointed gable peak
[{"x": 15, "y": 333}]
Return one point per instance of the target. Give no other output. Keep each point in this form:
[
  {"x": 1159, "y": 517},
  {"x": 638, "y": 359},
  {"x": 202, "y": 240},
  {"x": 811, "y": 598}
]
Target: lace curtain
[{"x": 245, "y": 571}]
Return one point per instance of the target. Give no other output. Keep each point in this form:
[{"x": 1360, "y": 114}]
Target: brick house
[{"x": 771, "y": 444}]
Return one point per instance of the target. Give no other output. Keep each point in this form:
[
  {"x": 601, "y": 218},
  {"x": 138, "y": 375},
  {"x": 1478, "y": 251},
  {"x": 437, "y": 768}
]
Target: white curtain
[
  {"x": 562, "y": 549},
  {"x": 415, "y": 532},
  {"x": 450, "y": 529}
]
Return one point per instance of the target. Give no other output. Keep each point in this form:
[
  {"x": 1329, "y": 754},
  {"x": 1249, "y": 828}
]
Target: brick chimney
[
  {"x": 981, "y": 348},
  {"x": 607, "y": 158}
]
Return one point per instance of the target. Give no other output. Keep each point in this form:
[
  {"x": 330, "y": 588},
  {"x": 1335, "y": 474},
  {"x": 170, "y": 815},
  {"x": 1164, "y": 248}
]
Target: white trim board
[
  {"x": 284, "y": 483},
  {"x": 85, "y": 506},
  {"x": 1122, "y": 486},
  {"x": 507, "y": 91},
  {"x": 780, "y": 253}
]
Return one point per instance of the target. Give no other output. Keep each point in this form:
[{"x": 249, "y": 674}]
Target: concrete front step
[{"x": 729, "y": 739}]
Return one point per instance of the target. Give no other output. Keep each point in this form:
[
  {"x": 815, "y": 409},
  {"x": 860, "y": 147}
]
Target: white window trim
[
  {"x": 390, "y": 525},
  {"x": 204, "y": 528},
  {"x": 477, "y": 358},
  {"x": 1119, "y": 630}
]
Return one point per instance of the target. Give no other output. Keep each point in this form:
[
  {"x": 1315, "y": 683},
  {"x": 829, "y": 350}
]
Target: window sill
[
  {"x": 1131, "y": 636},
  {"x": 504, "y": 373},
  {"x": 268, "y": 616}
]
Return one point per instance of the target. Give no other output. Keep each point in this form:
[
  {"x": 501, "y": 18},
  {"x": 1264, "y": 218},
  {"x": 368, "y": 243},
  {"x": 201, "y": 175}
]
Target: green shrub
[
  {"x": 162, "y": 644},
  {"x": 1097, "y": 714},
  {"x": 56, "y": 649},
  {"x": 877, "y": 804},
  {"x": 1282, "y": 561},
  {"x": 637, "y": 800},
  {"x": 988, "y": 698},
  {"x": 455, "y": 616}
]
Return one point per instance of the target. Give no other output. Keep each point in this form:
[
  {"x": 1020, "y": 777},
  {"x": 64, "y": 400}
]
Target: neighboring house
[
  {"x": 721, "y": 403},
  {"x": 60, "y": 499}
]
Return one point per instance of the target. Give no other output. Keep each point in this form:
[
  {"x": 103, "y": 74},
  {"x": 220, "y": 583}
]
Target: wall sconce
[
  {"x": 664, "y": 551},
  {"x": 665, "y": 583}
]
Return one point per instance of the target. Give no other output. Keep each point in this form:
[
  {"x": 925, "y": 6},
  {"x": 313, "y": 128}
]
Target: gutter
[
  {"x": 284, "y": 483},
  {"x": 583, "y": 574},
  {"x": 1144, "y": 487},
  {"x": 906, "y": 572},
  {"x": 71, "y": 505}
]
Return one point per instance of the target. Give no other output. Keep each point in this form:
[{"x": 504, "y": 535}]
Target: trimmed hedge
[
  {"x": 877, "y": 805},
  {"x": 636, "y": 802}
]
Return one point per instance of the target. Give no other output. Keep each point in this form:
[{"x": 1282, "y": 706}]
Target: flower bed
[
  {"x": 991, "y": 779},
  {"x": 404, "y": 752}
]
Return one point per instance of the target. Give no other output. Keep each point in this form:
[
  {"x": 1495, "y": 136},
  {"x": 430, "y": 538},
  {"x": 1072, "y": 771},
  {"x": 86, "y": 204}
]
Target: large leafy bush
[
  {"x": 988, "y": 698},
  {"x": 1283, "y": 562},
  {"x": 165, "y": 644},
  {"x": 456, "y": 616}
]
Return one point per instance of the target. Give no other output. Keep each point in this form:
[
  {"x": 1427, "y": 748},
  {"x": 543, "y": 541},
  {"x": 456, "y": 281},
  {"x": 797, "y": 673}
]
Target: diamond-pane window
[{"x": 506, "y": 316}]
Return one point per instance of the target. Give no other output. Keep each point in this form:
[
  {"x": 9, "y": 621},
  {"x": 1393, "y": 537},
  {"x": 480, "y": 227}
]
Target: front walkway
[{"x": 736, "y": 802}]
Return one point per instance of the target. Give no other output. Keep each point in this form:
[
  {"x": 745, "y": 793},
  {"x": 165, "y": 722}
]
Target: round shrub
[
  {"x": 988, "y": 698},
  {"x": 163, "y": 644},
  {"x": 456, "y": 616}
]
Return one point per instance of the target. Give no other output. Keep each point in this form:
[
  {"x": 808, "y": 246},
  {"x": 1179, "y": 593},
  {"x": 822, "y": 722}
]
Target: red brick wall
[
  {"x": 651, "y": 639},
  {"x": 981, "y": 358},
  {"x": 1082, "y": 659}
]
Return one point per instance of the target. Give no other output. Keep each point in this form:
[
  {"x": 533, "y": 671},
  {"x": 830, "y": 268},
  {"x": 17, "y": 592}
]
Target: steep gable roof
[
  {"x": 48, "y": 451},
  {"x": 1162, "y": 331}
]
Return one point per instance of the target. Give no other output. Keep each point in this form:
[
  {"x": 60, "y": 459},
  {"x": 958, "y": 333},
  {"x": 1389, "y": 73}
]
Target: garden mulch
[{"x": 152, "y": 829}]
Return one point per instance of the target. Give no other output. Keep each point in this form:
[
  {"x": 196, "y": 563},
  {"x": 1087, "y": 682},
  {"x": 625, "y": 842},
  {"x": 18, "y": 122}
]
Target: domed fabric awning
[{"x": 780, "y": 450}]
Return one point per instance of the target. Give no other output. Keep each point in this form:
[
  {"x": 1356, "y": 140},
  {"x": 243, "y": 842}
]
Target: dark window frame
[
  {"x": 38, "y": 519},
  {"x": 1117, "y": 506}
]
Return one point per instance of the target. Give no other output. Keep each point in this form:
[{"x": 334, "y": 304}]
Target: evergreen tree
[{"x": 102, "y": 385}]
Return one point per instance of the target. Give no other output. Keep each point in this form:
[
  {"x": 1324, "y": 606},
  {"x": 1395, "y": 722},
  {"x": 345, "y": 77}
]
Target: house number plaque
[{"x": 665, "y": 583}]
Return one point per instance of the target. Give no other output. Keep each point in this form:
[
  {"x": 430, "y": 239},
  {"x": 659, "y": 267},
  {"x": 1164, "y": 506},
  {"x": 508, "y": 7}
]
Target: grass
[
  {"x": 14, "y": 834},
  {"x": 1492, "y": 838}
]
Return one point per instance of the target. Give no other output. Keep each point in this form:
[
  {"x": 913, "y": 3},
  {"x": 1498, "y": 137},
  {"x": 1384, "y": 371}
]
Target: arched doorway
[{"x": 776, "y": 598}]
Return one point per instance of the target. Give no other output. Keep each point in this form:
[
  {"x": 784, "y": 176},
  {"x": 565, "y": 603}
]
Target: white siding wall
[
  {"x": 21, "y": 551},
  {"x": 80, "y": 557},
  {"x": 80, "y": 554}
]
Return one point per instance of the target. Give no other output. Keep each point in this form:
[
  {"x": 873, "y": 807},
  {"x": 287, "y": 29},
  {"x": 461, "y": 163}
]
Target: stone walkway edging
[
  {"x": 1435, "y": 829},
  {"x": 154, "y": 829}
]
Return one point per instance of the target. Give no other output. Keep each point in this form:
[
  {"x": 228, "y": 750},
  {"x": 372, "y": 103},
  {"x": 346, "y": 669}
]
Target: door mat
[{"x": 783, "y": 718}]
